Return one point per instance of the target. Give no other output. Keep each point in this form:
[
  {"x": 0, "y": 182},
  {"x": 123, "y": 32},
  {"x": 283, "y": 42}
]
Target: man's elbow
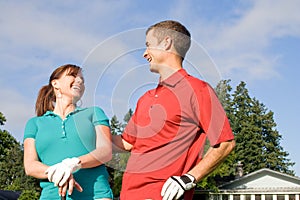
[{"x": 230, "y": 146}]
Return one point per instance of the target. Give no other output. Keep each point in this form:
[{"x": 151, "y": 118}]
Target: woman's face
[{"x": 71, "y": 86}]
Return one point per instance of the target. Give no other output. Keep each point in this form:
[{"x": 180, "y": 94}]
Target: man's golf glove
[{"x": 175, "y": 186}]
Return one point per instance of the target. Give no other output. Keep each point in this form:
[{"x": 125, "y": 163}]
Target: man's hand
[
  {"x": 175, "y": 186},
  {"x": 60, "y": 172}
]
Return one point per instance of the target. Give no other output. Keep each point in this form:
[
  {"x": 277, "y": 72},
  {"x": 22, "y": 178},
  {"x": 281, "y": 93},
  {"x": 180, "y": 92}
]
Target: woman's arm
[
  {"x": 103, "y": 151},
  {"x": 33, "y": 167}
]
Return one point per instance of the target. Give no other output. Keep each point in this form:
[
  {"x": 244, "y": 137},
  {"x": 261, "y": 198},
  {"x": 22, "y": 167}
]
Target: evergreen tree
[
  {"x": 113, "y": 164},
  {"x": 127, "y": 116},
  {"x": 2, "y": 119},
  {"x": 257, "y": 140},
  {"x": 273, "y": 155},
  {"x": 225, "y": 171},
  {"x": 117, "y": 165},
  {"x": 116, "y": 126}
]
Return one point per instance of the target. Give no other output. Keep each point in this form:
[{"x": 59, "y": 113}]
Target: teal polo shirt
[{"x": 57, "y": 139}]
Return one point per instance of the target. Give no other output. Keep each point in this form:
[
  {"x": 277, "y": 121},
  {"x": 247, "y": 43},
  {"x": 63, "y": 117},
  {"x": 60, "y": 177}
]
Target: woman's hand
[{"x": 69, "y": 185}]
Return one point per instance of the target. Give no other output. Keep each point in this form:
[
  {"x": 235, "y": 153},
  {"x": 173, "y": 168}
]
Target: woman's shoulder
[
  {"x": 92, "y": 109},
  {"x": 34, "y": 119}
]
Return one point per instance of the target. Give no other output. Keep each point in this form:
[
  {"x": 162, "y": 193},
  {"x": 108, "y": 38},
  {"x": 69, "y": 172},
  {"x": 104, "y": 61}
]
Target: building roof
[{"x": 263, "y": 180}]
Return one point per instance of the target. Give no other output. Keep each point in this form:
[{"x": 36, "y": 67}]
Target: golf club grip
[{"x": 63, "y": 198}]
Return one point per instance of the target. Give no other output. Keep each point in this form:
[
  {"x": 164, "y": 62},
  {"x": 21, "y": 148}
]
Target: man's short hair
[{"x": 179, "y": 34}]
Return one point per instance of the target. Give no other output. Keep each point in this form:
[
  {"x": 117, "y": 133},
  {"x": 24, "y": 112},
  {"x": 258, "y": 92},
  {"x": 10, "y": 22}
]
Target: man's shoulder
[{"x": 196, "y": 81}]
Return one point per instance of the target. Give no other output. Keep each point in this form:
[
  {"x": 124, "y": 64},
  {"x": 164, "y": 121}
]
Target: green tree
[
  {"x": 273, "y": 155},
  {"x": 113, "y": 165},
  {"x": 2, "y": 119},
  {"x": 127, "y": 116},
  {"x": 226, "y": 170},
  {"x": 117, "y": 165},
  {"x": 116, "y": 126},
  {"x": 257, "y": 140},
  {"x": 7, "y": 142},
  {"x": 12, "y": 175}
]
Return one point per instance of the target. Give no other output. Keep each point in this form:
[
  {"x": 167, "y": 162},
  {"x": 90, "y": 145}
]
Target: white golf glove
[
  {"x": 175, "y": 186},
  {"x": 60, "y": 172}
]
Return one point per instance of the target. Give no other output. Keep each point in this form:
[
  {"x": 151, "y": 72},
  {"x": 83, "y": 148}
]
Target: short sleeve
[
  {"x": 99, "y": 117},
  {"x": 30, "y": 129},
  {"x": 213, "y": 119}
]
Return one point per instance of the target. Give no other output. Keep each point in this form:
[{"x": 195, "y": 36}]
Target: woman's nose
[{"x": 78, "y": 79}]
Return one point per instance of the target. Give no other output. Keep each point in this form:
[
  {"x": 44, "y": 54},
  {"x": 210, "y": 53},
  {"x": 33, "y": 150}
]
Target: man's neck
[{"x": 172, "y": 64}]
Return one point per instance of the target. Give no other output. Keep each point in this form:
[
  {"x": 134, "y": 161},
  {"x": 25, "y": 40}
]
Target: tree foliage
[
  {"x": 117, "y": 165},
  {"x": 12, "y": 175},
  {"x": 257, "y": 139}
]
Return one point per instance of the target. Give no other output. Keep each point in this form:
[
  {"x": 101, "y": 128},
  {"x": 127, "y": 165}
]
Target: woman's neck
[{"x": 63, "y": 108}]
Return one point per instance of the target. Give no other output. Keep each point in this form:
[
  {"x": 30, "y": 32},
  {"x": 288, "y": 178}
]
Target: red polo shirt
[{"x": 168, "y": 131}]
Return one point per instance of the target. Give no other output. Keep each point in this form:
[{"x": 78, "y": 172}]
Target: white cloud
[
  {"x": 38, "y": 36},
  {"x": 28, "y": 28},
  {"x": 17, "y": 109},
  {"x": 263, "y": 22},
  {"x": 241, "y": 46}
]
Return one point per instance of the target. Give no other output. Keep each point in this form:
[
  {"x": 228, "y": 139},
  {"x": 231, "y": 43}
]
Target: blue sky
[{"x": 256, "y": 41}]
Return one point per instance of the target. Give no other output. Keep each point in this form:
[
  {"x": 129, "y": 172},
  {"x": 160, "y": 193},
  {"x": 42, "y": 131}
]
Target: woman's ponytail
[{"x": 45, "y": 100}]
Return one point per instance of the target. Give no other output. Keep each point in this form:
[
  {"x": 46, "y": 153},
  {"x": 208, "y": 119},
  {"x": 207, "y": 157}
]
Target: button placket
[{"x": 63, "y": 128}]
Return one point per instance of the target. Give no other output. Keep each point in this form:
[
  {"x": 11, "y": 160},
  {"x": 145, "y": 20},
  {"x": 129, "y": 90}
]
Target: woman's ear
[{"x": 55, "y": 84}]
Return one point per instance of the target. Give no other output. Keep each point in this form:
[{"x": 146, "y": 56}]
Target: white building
[{"x": 264, "y": 184}]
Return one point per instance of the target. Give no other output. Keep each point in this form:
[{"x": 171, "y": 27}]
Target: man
[{"x": 167, "y": 132}]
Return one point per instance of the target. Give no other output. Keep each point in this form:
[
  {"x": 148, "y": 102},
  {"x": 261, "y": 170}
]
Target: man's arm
[
  {"x": 212, "y": 159},
  {"x": 175, "y": 186}
]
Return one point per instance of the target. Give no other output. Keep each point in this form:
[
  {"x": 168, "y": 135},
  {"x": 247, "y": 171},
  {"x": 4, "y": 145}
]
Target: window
[
  {"x": 225, "y": 197},
  {"x": 257, "y": 197},
  {"x": 280, "y": 197},
  {"x": 268, "y": 197},
  {"x": 236, "y": 197},
  {"x": 292, "y": 197},
  {"x": 247, "y": 197}
]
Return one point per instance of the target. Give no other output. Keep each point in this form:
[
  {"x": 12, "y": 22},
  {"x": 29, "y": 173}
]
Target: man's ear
[{"x": 168, "y": 42}]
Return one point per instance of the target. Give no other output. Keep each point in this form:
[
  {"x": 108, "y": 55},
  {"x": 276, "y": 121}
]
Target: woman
[{"x": 65, "y": 143}]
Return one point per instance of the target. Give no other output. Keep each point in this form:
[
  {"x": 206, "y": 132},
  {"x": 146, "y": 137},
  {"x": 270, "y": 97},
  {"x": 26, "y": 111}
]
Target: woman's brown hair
[{"x": 46, "y": 96}]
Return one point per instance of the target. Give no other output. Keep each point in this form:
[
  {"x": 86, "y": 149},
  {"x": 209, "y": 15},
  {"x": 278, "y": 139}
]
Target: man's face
[{"x": 154, "y": 52}]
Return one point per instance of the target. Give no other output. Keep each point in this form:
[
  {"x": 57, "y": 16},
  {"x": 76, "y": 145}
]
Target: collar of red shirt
[{"x": 175, "y": 78}]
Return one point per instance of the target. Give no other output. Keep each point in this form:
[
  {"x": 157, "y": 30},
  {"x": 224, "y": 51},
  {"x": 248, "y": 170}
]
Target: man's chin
[{"x": 153, "y": 70}]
